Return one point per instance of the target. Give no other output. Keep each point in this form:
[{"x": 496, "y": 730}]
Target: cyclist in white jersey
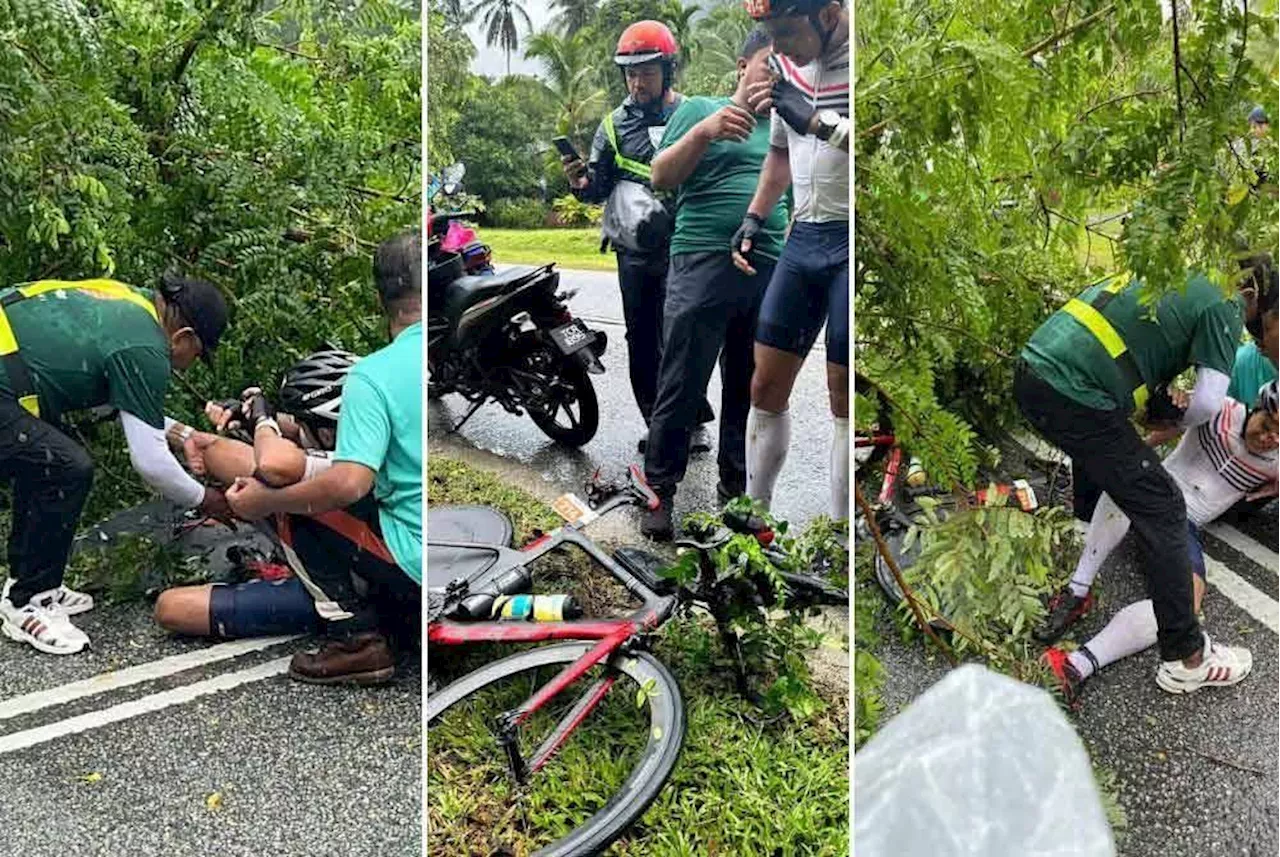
[
  {"x": 1215, "y": 465},
  {"x": 809, "y": 151}
]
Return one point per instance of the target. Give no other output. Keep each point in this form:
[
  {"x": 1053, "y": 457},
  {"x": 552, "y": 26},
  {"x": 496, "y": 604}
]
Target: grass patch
[
  {"x": 568, "y": 248},
  {"x": 743, "y": 785}
]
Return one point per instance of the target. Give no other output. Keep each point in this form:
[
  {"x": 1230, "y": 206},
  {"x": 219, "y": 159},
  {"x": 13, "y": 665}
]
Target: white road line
[
  {"x": 1250, "y": 547},
  {"x": 1257, "y": 604},
  {"x": 30, "y": 702},
  {"x": 145, "y": 705}
]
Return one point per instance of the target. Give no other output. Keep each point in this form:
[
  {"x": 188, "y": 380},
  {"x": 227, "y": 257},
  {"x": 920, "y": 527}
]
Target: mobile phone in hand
[{"x": 566, "y": 148}]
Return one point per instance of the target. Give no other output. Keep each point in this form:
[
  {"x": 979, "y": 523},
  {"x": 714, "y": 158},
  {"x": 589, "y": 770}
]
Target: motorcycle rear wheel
[{"x": 575, "y": 429}]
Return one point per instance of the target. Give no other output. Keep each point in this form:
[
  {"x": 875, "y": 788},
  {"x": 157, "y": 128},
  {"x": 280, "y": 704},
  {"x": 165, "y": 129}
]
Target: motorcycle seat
[{"x": 465, "y": 292}]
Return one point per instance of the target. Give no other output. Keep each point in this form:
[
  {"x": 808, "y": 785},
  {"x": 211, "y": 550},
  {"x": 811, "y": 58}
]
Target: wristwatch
[{"x": 827, "y": 122}]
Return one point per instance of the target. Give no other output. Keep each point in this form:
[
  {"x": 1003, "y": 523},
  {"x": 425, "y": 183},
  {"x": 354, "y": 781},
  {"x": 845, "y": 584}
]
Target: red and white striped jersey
[{"x": 819, "y": 171}]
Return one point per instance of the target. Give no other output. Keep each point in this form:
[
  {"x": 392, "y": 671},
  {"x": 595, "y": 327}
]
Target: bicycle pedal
[{"x": 645, "y": 566}]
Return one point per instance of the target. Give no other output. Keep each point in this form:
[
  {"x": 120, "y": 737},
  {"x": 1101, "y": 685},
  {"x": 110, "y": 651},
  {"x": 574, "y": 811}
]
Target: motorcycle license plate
[{"x": 572, "y": 337}]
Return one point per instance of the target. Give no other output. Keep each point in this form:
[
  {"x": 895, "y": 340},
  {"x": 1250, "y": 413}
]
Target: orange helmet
[{"x": 646, "y": 41}]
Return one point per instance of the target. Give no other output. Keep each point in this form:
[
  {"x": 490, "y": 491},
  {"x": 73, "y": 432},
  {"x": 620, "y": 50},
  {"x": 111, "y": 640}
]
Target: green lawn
[
  {"x": 568, "y": 248},
  {"x": 743, "y": 784}
]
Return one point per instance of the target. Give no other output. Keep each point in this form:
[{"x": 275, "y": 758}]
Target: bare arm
[
  {"x": 676, "y": 163},
  {"x": 775, "y": 178},
  {"x": 341, "y": 485},
  {"x": 277, "y": 461}
]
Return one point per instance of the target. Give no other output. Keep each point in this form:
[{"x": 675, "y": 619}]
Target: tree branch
[
  {"x": 1069, "y": 31},
  {"x": 938, "y": 324},
  {"x": 1142, "y": 93},
  {"x": 290, "y": 51},
  {"x": 1177, "y": 78}
]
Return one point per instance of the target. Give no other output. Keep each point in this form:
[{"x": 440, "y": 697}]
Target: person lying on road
[
  {"x": 1215, "y": 465},
  {"x": 72, "y": 346}
]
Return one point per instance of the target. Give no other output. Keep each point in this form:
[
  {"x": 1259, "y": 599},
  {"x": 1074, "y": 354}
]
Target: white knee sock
[
  {"x": 1106, "y": 530},
  {"x": 1129, "y": 632},
  {"x": 768, "y": 436},
  {"x": 840, "y": 470}
]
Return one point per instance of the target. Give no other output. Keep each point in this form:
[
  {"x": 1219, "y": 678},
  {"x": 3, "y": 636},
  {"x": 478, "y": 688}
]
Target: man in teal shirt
[
  {"x": 376, "y": 477},
  {"x": 712, "y": 152}
]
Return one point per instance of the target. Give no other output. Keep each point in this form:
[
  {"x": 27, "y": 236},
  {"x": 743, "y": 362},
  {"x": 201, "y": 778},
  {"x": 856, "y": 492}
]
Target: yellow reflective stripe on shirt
[
  {"x": 1106, "y": 334},
  {"x": 106, "y": 288},
  {"x": 623, "y": 162}
]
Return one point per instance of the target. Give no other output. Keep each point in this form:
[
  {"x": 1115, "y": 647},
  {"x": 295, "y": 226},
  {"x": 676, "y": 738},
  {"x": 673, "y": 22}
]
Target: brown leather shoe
[{"x": 361, "y": 658}]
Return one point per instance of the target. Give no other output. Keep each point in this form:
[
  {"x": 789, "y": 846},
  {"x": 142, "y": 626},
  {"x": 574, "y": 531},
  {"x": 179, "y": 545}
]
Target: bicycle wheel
[{"x": 594, "y": 785}]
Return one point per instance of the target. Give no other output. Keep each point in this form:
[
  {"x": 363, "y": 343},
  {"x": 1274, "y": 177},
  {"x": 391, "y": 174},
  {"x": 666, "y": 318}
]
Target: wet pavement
[
  {"x": 802, "y": 491},
  {"x": 219, "y": 754},
  {"x": 1197, "y": 774}
]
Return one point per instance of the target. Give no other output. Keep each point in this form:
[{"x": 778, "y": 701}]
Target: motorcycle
[{"x": 505, "y": 336}]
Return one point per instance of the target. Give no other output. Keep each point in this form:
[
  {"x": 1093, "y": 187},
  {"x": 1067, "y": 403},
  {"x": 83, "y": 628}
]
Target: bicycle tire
[{"x": 646, "y": 781}]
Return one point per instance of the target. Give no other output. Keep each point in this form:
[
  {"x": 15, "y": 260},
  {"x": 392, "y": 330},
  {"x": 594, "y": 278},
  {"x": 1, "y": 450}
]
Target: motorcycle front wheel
[{"x": 571, "y": 415}]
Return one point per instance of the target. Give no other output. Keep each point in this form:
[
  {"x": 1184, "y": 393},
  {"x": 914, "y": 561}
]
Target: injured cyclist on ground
[{"x": 296, "y": 446}]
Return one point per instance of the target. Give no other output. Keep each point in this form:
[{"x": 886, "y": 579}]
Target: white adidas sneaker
[
  {"x": 73, "y": 603},
  {"x": 1221, "y": 666},
  {"x": 42, "y": 624}
]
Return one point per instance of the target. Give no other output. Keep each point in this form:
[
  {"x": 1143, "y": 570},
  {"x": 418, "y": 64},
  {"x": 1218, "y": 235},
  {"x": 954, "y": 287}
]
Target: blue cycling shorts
[
  {"x": 810, "y": 286},
  {"x": 261, "y": 608}
]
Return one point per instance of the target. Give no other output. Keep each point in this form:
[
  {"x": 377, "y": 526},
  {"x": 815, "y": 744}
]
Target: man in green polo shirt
[
  {"x": 376, "y": 477},
  {"x": 712, "y": 151},
  {"x": 1078, "y": 380},
  {"x": 71, "y": 346}
]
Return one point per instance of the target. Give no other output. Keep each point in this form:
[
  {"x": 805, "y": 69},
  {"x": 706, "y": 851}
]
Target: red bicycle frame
[{"x": 614, "y": 635}]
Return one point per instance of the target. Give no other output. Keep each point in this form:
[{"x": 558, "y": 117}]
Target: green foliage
[
  {"x": 447, "y": 79},
  {"x": 868, "y": 674},
  {"x": 985, "y": 570},
  {"x": 571, "y": 211},
  {"x": 518, "y": 213},
  {"x": 132, "y": 568},
  {"x": 266, "y": 151},
  {"x": 989, "y": 151},
  {"x": 775, "y": 643},
  {"x": 503, "y": 129}
]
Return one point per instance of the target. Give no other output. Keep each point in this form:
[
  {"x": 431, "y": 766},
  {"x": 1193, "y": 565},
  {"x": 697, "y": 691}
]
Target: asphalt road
[
  {"x": 123, "y": 750},
  {"x": 802, "y": 492},
  {"x": 1197, "y": 774}
]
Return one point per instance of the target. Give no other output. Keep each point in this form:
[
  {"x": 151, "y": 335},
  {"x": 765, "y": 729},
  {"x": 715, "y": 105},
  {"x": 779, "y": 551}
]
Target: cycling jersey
[
  {"x": 819, "y": 171},
  {"x": 1215, "y": 469}
]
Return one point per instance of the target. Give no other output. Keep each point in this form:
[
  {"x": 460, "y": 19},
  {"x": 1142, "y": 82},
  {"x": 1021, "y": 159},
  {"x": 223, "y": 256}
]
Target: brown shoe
[{"x": 361, "y": 658}]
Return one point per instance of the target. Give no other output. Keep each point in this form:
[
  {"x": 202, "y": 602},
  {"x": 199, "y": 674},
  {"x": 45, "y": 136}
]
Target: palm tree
[
  {"x": 573, "y": 15},
  {"x": 570, "y": 67},
  {"x": 500, "y": 24},
  {"x": 679, "y": 18}
]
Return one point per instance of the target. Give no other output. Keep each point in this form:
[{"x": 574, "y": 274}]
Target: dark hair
[
  {"x": 1263, "y": 277},
  {"x": 397, "y": 269},
  {"x": 757, "y": 40}
]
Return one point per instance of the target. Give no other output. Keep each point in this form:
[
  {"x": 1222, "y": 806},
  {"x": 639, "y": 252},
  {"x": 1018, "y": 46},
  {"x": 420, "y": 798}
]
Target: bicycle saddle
[{"x": 716, "y": 540}]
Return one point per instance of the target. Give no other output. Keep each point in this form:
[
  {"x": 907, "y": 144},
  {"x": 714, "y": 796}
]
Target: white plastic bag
[{"x": 979, "y": 766}]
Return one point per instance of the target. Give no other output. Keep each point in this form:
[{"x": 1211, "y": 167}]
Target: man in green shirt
[
  {"x": 72, "y": 346},
  {"x": 1079, "y": 378},
  {"x": 376, "y": 477},
  {"x": 711, "y": 152}
]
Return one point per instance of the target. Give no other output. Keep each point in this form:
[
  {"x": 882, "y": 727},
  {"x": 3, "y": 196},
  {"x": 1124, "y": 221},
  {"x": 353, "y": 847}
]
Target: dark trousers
[
  {"x": 643, "y": 280},
  {"x": 51, "y": 476},
  {"x": 1106, "y": 448},
  {"x": 330, "y": 560},
  {"x": 710, "y": 312}
]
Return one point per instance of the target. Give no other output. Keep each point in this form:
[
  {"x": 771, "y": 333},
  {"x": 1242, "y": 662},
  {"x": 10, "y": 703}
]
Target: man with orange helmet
[
  {"x": 809, "y": 151},
  {"x": 621, "y": 151}
]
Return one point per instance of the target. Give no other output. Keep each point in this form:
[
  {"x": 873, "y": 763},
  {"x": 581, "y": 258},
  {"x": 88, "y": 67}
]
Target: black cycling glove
[
  {"x": 792, "y": 105},
  {"x": 256, "y": 408},
  {"x": 750, "y": 228}
]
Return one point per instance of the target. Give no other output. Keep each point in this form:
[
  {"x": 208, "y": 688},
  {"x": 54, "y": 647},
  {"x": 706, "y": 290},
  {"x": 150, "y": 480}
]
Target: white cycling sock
[
  {"x": 1129, "y": 632},
  {"x": 840, "y": 470},
  {"x": 768, "y": 437},
  {"x": 1106, "y": 530}
]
